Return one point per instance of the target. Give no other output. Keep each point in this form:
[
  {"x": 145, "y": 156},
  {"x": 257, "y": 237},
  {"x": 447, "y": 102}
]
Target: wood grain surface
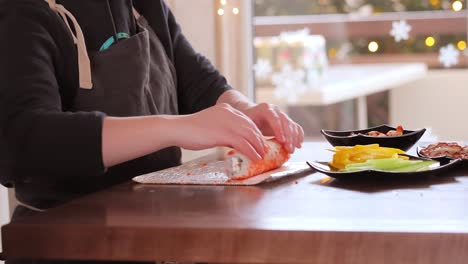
[{"x": 308, "y": 218}]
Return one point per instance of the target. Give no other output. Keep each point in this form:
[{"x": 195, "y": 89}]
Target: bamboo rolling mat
[{"x": 213, "y": 173}]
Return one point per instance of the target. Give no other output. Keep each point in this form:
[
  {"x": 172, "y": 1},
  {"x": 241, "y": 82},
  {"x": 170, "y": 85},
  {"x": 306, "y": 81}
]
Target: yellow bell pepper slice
[{"x": 362, "y": 153}]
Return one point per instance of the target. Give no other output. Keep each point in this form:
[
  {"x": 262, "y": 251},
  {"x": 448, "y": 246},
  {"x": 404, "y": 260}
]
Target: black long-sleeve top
[{"x": 50, "y": 147}]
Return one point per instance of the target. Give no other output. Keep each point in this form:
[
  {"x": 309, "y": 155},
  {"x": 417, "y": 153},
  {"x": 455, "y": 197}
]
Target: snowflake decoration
[
  {"x": 289, "y": 83},
  {"x": 448, "y": 55},
  {"x": 294, "y": 36},
  {"x": 344, "y": 51},
  {"x": 354, "y": 3},
  {"x": 308, "y": 59},
  {"x": 398, "y": 6},
  {"x": 262, "y": 68},
  {"x": 365, "y": 10},
  {"x": 400, "y": 30}
]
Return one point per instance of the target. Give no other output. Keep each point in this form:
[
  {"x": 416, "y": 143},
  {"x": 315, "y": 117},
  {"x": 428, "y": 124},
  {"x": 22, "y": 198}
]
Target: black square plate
[
  {"x": 358, "y": 137},
  {"x": 384, "y": 175}
]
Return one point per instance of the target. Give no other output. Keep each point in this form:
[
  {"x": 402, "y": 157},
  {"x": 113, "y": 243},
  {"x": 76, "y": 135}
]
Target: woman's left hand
[{"x": 273, "y": 122}]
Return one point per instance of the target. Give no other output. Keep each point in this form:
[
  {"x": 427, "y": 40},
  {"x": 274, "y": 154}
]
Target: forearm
[
  {"x": 124, "y": 139},
  {"x": 127, "y": 138},
  {"x": 236, "y": 99}
]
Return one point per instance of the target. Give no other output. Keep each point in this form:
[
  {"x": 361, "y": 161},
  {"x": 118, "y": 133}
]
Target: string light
[
  {"x": 332, "y": 53},
  {"x": 430, "y": 41},
  {"x": 434, "y": 3},
  {"x": 235, "y": 10},
  {"x": 461, "y": 45},
  {"x": 223, "y": 2},
  {"x": 457, "y": 6},
  {"x": 220, "y": 11},
  {"x": 373, "y": 46}
]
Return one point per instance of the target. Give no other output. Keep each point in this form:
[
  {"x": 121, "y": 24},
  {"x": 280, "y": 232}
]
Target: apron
[{"x": 134, "y": 77}]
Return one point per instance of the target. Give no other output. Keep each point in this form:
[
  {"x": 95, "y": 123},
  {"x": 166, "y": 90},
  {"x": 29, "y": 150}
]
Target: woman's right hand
[{"x": 220, "y": 125}]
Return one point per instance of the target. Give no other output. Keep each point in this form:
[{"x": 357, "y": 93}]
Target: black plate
[
  {"x": 344, "y": 138},
  {"x": 443, "y": 159},
  {"x": 384, "y": 175}
]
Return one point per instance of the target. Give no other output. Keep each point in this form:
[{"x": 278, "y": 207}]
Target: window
[
  {"x": 350, "y": 26},
  {"x": 357, "y": 32}
]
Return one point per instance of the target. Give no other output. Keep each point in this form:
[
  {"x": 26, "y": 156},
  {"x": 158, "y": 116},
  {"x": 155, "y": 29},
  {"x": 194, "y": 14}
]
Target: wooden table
[
  {"x": 303, "y": 219},
  {"x": 356, "y": 81}
]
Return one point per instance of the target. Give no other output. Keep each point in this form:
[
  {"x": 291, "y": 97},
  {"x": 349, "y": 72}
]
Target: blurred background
[
  {"x": 342, "y": 64},
  {"x": 377, "y": 32}
]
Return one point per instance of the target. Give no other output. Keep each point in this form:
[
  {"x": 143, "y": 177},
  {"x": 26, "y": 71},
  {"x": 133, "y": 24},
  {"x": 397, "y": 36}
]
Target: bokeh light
[
  {"x": 461, "y": 45},
  {"x": 457, "y": 6},
  {"x": 373, "y": 46},
  {"x": 430, "y": 41}
]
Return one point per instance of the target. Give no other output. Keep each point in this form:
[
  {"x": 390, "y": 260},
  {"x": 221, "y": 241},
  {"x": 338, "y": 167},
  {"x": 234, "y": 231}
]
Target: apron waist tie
[{"x": 30, "y": 207}]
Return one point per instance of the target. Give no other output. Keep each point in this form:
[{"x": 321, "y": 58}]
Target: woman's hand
[
  {"x": 127, "y": 138},
  {"x": 274, "y": 122},
  {"x": 220, "y": 125},
  {"x": 268, "y": 118}
]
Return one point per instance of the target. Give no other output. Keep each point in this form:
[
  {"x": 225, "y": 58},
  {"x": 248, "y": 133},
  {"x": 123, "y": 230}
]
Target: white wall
[
  {"x": 4, "y": 210},
  {"x": 225, "y": 40},
  {"x": 234, "y": 43},
  {"x": 198, "y": 24},
  {"x": 439, "y": 101}
]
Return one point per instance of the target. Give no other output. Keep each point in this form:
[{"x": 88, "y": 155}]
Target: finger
[
  {"x": 274, "y": 121},
  {"x": 292, "y": 138},
  {"x": 301, "y": 134},
  {"x": 240, "y": 127},
  {"x": 244, "y": 147},
  {"x": 288, "y": 132},
  {"x": 254, "y": 138},
  {"x": 251, "y": 128},
  {"x": 296, "y": 136},
  {"x": 258, "y": 133}
]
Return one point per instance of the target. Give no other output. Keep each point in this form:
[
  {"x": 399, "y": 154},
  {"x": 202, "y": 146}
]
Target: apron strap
[
  {"x": 84, "y": 64},
  {"x": 52, "y": 3},
  {"x": 136, "y": 14}
]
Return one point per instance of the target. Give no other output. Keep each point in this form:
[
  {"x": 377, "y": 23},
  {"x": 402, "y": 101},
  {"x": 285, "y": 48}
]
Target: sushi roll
[{"x": 239, "y": 167}]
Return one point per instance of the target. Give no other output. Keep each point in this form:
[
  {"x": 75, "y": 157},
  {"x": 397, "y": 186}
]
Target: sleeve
[
  {"x": 39, "y": 135},
  {"x": 199, "y": 83}
]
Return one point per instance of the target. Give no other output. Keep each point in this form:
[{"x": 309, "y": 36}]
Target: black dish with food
[
  {"x": 376, "y": 175},
  {"x": 445, "y": 157},
  {"x": 360, "y": 137}
]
